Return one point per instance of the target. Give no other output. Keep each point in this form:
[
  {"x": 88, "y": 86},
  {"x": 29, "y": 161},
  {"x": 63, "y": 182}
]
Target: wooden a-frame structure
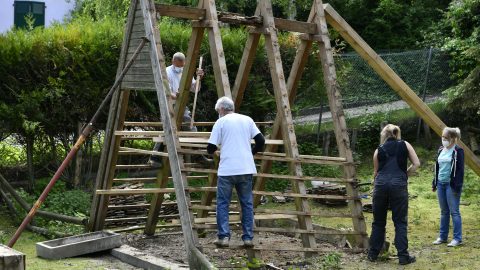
[{"x": 149, "y": 73}]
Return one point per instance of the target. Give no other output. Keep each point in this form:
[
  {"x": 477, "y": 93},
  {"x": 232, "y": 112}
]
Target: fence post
[
  {"x": 428, "y": 135},
  {"x": 319, "y": 123}
]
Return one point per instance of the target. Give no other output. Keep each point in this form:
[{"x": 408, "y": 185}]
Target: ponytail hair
[
  {"x": 390, "y": 131},
  {"x": 452, "y": 133}
]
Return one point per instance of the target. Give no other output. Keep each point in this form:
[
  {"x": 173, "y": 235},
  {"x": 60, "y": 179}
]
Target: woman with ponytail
[{"x": 390, "y": 190}]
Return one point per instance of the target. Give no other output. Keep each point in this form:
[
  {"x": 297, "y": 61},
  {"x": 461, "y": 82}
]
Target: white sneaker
[
  {"x": 454, "y": 243},
  {"x": 439, "y": 241}
]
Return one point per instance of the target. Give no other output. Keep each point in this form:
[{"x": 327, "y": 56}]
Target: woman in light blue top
[{"x": 448, "y": 182}]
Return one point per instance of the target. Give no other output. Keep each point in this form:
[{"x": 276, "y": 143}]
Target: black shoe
[
  {"x": 372, "y": 258},
  {"x": 407, "y": 260}
]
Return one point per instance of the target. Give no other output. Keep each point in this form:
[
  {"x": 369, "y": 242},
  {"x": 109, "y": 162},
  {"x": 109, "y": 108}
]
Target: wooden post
[
  {"x": 216, "y": 50},
  {"x": 294, "y": 77},
  {"x": 188, "y": 70},
  {"x": 283, "y": 107},
  {"x": 195, "y": 258},
  {"x": 339, "y": 123},
  {"x": 77, "y": 179},
  {"x": 107, "y": 151},
  {"x": 248, "y": 57},
  {"x": 392, "y": 79},
  {"x": 157, "y": 200}
]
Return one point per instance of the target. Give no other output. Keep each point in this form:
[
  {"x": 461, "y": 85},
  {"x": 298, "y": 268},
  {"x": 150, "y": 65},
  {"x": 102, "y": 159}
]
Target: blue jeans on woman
[
  {"x": 243, "y": 185},
  {"x": 449, "y": 201}
]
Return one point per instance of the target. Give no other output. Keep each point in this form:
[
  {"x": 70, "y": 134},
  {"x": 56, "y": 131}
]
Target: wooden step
[
  {"x": 278, "y": 176},
  {"x": 281, "y": 230},
  {"x": 153, "y": 179},
  {"x": 279, "y": 211},
  {"x": 272, "y": 193},
  {"x": 288, "y": 248},
  {"x": 197, "y": 124}
]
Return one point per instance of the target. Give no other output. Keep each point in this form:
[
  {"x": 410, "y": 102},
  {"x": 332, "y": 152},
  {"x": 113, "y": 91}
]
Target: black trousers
[{"x": 396, "y": 196}]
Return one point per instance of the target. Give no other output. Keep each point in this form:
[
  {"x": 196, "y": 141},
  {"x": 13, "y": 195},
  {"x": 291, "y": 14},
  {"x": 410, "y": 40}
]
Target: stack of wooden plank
[{"x": 325, "y": 188}]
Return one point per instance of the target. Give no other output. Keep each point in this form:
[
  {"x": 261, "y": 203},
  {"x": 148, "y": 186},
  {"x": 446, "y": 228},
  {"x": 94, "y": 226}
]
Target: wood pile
[
  {"x": 326, "y": 188},
  {"x": 131, "y": 215}
]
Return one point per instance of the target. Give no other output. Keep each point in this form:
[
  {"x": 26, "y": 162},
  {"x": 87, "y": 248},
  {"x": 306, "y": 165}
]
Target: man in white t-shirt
[{"x": 233, "y": 132}]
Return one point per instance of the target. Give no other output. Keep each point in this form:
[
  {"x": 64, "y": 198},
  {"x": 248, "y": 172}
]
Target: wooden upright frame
[{"x": 149, "y": 73}]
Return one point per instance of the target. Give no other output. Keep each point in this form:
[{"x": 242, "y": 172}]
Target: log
[{"x": 45, "y": 214}]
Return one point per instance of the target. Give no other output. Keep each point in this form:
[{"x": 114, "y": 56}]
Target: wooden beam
[
  {"x": 216, "y": 51},
  {"x": 181, "y": 12},
  {"x": 201, "y": 124},
  {"x": 157, "y": 200},
  {"x": 107, "y": 150},
  {"x": 196, "y": 259},
  {"x": 189, "y": 69},
  {"x": 393, "y": 80},
  {"x": 296, "y": 72},
  {"x": 283, "y": 107},
  {"x": 191, "y": 13},
  {"x": 246, "y": 63},
  {"x": 338, "y": 119}
]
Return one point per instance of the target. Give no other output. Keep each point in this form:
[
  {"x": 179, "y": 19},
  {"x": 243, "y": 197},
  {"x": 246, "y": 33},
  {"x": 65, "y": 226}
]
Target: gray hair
[
  {"x": 225, "y": 103},
  {"x": 179, "y": 56}
]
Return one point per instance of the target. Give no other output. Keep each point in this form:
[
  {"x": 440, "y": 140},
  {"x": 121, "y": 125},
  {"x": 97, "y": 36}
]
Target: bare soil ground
[{"x": 171, "y": 247}]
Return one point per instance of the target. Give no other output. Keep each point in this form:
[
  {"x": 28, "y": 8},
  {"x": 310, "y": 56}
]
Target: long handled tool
[
  {"x": 85, "y": 132},
  {"x": 197, "y": 88}
]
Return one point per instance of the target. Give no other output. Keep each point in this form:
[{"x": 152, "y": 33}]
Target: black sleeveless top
[{"x": 392, "y": 148}]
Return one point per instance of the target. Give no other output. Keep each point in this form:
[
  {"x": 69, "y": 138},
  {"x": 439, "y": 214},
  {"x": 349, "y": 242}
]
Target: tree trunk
[
  {"x": 31, "y": 171},
  {"x": 77, "y": 179}
]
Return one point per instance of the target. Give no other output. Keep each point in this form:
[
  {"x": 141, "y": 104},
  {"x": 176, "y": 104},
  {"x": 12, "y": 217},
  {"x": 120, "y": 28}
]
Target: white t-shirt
[
  {"x": 233, "y": 133},
  {"x": 174, "y": 79}
]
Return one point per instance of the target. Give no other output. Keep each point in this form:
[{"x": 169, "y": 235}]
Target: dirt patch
[{"x": 171, "y": 247}]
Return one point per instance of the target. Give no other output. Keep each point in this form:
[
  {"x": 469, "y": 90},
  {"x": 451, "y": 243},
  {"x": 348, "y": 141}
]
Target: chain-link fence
[{"x": 426, "y": 71}]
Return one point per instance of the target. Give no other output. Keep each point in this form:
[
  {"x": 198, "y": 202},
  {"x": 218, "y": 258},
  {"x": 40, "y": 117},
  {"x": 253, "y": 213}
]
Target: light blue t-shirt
[{"x": 445, "y": 165}]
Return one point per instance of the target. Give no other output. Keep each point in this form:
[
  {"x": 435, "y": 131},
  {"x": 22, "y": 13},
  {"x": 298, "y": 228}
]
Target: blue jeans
[
  {"x": 243, "y": 185},
  {"x": 449, "y": 202}
]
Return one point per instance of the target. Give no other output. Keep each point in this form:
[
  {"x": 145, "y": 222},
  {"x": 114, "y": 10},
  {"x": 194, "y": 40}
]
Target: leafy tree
[{"x": 458, "y": 33}]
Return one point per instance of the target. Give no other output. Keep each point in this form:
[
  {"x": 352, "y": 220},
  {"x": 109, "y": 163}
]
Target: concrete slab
[
  {"x": 11, "y": 259},
  {"x": 78, "y": 245},
  {"x": 137, "y": 258}
]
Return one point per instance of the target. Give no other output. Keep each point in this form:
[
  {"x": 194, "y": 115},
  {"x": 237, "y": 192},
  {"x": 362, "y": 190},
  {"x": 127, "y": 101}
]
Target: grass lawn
[
  {"x": 26, "y": 245},
  {"x": 424, "y": 217}
]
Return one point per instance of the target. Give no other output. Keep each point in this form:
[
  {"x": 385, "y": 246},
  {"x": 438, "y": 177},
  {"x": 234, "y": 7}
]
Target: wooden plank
[
  {"x": 189, "y": 69},
  {"x": 283, "y": 230},
  {"x": 196, "y": 259},
  {"x": 338, "y": 119},
  {"x": 133, "y": 166},
  {"x": 295, "y": 26},
  {"x": 156, "y": 133},
  {"x": 180, "y": 12},
  {"x": 157, "y": 200},
  {"x": 139, "y": 78},
  {"x": 98, "y": 202},
  {"x": 159, "y": 124},
  {"x": 289, "y": 248},
  {"x": 129, "y": 206},
  {"x": 246, "y": 63},
  {"x": 394, "y": 81},
  {"x": 129, "y": 180},
  {"x": 208, "y": 197},
  {"x": 204, "y": 141},
  {"x": 138, "y": 86},
  {"x": 284, "y": 194},
  {"x": 233, "y": 218},
  {"x": 279, "y": 176},
  {"x": 216, "y": 51},
  {"x": 283, "y": 108}
]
